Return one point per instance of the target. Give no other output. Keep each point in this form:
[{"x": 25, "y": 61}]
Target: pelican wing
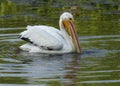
[{"x": 43, "y": 36}]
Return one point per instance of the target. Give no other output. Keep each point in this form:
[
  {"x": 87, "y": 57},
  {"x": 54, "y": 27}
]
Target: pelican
[{"x": 46, "y": 39}]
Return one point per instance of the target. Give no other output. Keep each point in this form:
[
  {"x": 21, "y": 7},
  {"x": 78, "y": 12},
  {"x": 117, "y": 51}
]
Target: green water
[{"x": 98, "y": 26}]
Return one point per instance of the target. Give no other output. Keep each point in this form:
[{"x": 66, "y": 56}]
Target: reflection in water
[
  {"x": 72, "y": 68},
  {"x": 56, "y": 68}
]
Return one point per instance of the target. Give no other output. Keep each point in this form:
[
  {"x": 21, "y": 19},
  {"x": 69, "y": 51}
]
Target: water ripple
[
  {"x": 102, "y": 81},
  {"x": 21, "y": 85}
]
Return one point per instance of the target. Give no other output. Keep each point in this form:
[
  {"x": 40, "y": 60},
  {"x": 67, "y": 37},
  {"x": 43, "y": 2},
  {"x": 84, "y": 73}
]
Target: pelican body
[{"x": 46, "y": 39}]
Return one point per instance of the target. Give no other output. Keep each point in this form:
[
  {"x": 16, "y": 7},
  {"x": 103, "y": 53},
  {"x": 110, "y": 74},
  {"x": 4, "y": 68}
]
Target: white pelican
[{"x": 46, "y": 39}]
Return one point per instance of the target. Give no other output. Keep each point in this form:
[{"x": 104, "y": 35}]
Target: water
[{"x": 97, "y": 65}]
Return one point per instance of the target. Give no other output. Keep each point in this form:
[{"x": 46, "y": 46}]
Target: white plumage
[{"x": 46, "y": 39}]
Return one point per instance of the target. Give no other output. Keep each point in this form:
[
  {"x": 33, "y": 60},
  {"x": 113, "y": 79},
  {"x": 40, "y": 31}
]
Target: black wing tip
[{"x": 25, "y": 39}]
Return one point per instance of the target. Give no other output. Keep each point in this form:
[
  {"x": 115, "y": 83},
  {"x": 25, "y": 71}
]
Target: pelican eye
[{"x": 70, "y": 18}]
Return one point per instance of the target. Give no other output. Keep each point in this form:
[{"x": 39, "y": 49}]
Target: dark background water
[
  {"x": 98, "y": 25},
  {"x": 92, "y": 17}
]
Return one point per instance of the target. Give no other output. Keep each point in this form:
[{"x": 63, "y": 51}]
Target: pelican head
[
  {"x": 66, "y": 16},
  {"x": 67, "y": 24}
]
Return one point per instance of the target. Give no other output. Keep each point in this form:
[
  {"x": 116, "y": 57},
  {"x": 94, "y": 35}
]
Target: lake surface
[
  {"x": 99, "y": 35},
  {"x": 97, "y": 65}
]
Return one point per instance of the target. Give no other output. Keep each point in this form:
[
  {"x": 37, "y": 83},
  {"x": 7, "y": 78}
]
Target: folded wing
[{"x": 43, "y": 36}]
